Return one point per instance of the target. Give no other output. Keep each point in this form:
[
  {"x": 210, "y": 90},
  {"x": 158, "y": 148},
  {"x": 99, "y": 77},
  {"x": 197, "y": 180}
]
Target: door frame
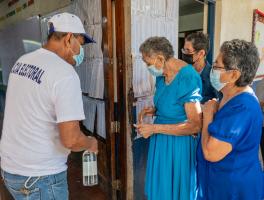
[
  {"x": 122, "y": 50},
  {"x": 116, "y": 119}
]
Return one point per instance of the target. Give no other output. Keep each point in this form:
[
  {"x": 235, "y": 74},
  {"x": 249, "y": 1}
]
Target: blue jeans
[{"x": 52, "y": 187}]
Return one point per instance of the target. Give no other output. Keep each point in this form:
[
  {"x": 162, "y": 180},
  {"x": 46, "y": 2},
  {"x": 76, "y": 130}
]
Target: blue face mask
[
  {"x": 79, "y": 58},
  {"x": 215, "y": 80},
  {"x": 154, "y": 71}
]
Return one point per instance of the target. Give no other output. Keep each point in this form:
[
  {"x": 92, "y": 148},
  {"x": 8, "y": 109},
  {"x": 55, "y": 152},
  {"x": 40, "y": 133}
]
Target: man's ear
[
  {"x": 202, "y": 53},
  {"x": 67, "y": 39}
]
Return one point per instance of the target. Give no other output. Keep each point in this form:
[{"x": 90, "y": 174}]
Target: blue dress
[
  {"x": 171, "y": 166},
  {"x": 238, "y": 176}
]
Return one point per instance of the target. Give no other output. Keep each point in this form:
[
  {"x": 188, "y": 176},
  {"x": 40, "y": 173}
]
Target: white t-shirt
[{"x": 43, "y": 90}]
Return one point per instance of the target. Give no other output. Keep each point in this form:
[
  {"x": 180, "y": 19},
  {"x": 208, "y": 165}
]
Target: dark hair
[
  {"x": 157, "y": 45},
  {"x": 200, "y": 41},
  {"x": 56, "y": 35},
  {"x": 243, "y": 56}
]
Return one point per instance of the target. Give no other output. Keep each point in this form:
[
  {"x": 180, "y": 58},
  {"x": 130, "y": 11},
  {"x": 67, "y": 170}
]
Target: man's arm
[{"x": 73, "y": 138}]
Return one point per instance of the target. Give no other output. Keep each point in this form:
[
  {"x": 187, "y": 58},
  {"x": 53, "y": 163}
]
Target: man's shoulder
[
  {"x": 55, "y": 67},
  {"x": 208, "y": 67},
  {"x": 46, "y": 57},
  {"x": 206, "y": 70},
  {"x": 29, "y": 55}
]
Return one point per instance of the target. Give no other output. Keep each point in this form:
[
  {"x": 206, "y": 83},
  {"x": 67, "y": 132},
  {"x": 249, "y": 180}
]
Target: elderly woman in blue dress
[
  {"x": 171, "y": 165},
  {"x": 228, "y": 163}
]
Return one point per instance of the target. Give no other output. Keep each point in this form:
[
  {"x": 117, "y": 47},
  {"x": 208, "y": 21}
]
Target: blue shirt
[{"x": 238, "y": 175}]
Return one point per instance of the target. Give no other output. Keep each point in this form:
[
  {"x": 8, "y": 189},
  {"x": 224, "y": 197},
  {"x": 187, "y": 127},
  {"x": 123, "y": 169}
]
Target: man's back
[{"x": 35, "y": 103}]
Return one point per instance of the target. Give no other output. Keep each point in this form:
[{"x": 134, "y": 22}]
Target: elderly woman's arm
[
  {"x": 190, "y": 127},
  {"x": 213, "y": 149}
]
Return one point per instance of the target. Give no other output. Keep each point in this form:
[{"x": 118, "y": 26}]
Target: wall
[
  {"x": 38, "y": 7},
  {"x": 234, "y": 19},
  {"x": 191, "y": 22}
]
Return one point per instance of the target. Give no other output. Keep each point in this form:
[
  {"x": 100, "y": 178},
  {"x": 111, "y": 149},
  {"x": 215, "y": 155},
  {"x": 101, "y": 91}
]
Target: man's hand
[
  {"x": 74, "y": 139},
  {"x": 93, "y": 144}
]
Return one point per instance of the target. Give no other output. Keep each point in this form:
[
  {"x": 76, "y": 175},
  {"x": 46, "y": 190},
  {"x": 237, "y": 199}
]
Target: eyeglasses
[
  {"x": 184, "y": 51},
  {"x": 215, "y": 67}
]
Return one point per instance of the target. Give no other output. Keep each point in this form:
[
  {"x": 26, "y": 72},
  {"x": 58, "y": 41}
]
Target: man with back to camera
[
  {"x": 196, "y": 47},
  {"x": 43, "y": 109}
]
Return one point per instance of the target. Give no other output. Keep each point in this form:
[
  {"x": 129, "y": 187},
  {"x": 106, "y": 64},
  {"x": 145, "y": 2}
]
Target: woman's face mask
[
  {"x": 219, "y": 72},
  {"x": 154, "y": 71},
  {"x": 215, "y": 76}
]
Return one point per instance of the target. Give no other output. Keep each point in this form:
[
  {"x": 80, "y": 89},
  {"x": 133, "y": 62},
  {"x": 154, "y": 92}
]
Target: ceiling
[{"x": 190, "y": 7}]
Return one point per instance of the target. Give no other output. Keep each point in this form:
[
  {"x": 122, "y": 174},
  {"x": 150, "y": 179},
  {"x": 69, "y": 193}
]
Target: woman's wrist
[
  {"x": 207, "y": 121},
  {"x": 155, "y": 128},
  {"x": 208, "y": 117}
]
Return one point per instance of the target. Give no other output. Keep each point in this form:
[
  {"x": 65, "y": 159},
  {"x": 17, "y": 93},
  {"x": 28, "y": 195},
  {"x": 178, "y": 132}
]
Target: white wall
[
  {"x": 151, "y": 19},
  {"x": 234, "y": 19}
]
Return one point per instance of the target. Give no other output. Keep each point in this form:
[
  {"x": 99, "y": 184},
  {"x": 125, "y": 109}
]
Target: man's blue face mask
[{"x": 79, "y": 58}]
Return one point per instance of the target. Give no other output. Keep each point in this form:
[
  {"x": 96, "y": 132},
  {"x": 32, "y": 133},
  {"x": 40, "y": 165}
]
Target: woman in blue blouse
[
  {"x": 171, "y": 166},
  {"x": 228, "y": 163}
]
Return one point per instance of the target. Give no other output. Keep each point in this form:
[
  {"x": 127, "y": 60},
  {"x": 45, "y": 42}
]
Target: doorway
[{"x": 191, "y": 19}]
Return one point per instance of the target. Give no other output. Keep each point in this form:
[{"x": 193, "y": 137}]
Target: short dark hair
[
  {"x": 157, "y": 45},
  {"x": 200, "y": 41},
  {"x": 243, "y": 56},
  {"x": 57, "y": 35},
  {"x": 60, "y": 35}
]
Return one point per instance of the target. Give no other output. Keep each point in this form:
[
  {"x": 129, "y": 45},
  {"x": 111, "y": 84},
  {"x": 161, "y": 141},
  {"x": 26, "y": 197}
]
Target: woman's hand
[
  {"x": 146, "y": 130},
  {"x": 147, "y": 111},
  {"x": 210, "y": 108}
]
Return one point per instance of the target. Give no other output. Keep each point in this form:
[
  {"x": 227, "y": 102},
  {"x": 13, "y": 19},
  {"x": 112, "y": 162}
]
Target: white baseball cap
[{"x": 68, "y": 23}]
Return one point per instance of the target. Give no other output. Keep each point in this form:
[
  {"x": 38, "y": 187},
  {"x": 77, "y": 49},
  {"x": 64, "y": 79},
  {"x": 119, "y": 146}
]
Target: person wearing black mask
[{"x": 195, "y": 49}]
